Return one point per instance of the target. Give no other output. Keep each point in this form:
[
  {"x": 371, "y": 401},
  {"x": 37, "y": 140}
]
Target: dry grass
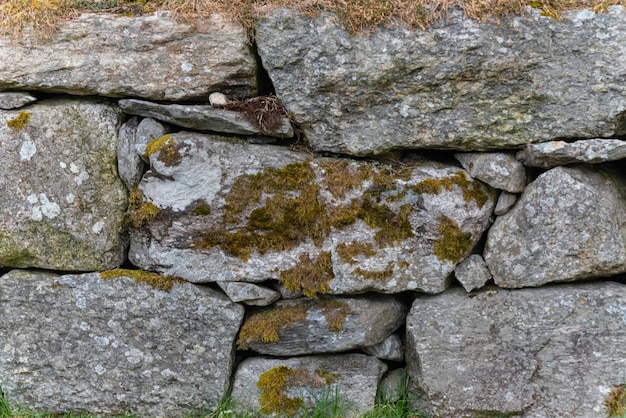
[{"x": 43, "y": 17}]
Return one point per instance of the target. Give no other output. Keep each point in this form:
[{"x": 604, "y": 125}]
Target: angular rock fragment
[
  {"x": 130, "y": 166},
  {"x": 153, "y": 56},
  {"x": 148, "y": 130},
  {"x": 393, "y": 385},
  {"x": 390, "y": 348},
  {"x": 505, "y": 202},
  {"x": 67, "y": 205},
  {"x": 550, "y": 352},
  {"x": 14, "y": 99},
  {"x": 81, "y": 343},
  {"x": 497, "y": 169},
  {"x": 328, "y": 325},
  {"x": 219, "y": 210},
  {"x": 569, "y": 224},
  {"x": 249, "y": 293},
  {"x": 459, "y": 85},
  {"x": 286, "y": 386},
  {"x": 203, "y": 117},
  {"x": 555, "y": 153},
  {"x": 472, "y": 272}
]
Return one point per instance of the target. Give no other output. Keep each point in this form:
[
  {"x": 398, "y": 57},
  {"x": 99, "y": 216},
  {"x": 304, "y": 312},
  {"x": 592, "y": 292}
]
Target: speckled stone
[{"x": 79, "y": 343}]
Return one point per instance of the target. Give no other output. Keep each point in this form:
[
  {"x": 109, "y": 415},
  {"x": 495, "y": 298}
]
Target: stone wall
[{"x": 397, "y": 208}]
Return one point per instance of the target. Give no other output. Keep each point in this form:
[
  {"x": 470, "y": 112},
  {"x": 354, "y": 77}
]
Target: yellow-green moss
[
  {"x": 347, "y": 252},
  {"x": 615, "y": 403},
  {"x": 393, "y": 227},
  {"x": 375, "y": 275},
  {"x": 453, "y": 244},
  {"x": 11, "y": 253},
  {"x": 20, "y": 121},
  {"x": 264, "y": 326},
  {"x": 273, "y": 386},
  {"x": 146, "y": 212},
  {"x": 169, "y": 153},
  {"x": 159, "y": 281},
  {"x": 309, "y": 276},
  {"x": 471, "y": 190},
  {"x": 201, "y": 210},
  {"x": 135, "y": 198}
]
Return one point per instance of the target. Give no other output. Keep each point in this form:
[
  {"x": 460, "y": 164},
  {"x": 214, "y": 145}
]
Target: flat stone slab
[
  {"x": 550, "y": 352},
  {"x": 569, "y": 224},
  {"x": 151, "y": 56},
  {"x": 67, "y": 205},
  {"x": 460, "y": 84},
  {"x": 83, "y": 344},
  {"x": 213, "y": 209},
  {"x": 203, "y": 118},
  {"x": 285, "y": 386},
  {"x": 555, "y": 153}
]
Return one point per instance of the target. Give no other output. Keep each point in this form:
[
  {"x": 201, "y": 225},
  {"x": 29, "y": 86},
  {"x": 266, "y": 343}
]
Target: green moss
[
  {"x": 615, "y": 403},
  {"x": 20, "y": 121},
  {"x": 144, "y": 214},
  {"x": 347, "y": 252},
  {"x": 453, "y": 244},
  {"x": 335, "y": 313},
  {"x": 471, "y": 190},
  {"x": 393, "y": 227},
  {"x": 309, "y": 276},
  {"x": 158, "y": 281},
  {"x": 12, "y": 254},
  {"x": 201, "y": 210},
  {"x": 375, "y": 275},
  {"x": 264, "y": 326},
  {"x": 273, "y": 386},
  {"x": 169, "y": 152}
]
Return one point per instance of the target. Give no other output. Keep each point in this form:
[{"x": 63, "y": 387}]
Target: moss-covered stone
[
  {"x": 471, "y": 190},
  {"x": 169, "y": 151},
  {"x": 347, "y": 252},
  {"x": 380, "y": 275},
  {"x": 453, "y": 243},
  {"x": 615, "y": 403},
  {"x": 309, "y": 276},
  {"x": 140, "y": 212},
  {"x": 20, "y": 121},
  {"x": 158, "y": 281},
  {"x": 12, "y": 254}
]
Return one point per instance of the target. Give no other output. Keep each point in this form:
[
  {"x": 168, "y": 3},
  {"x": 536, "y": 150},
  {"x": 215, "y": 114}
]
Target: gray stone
[
  {"x": 550, "y": 352},
  {"x": 569, "y": 224},
  {"x": 79, "y": 343},
  {"x": 505, "y": 202},
  {"x": 148, "y": 130},
  {"x": 67, "y": 204},
  {"x": 497, "y": 169},
  {"x": 389, "y": 349},
  {"x": 459, "y": 85},
  {"x": 202, "y": 117},
  {"x": 14, "y": 99},
  {"x": 130, "y": 166},
  {"x": 217, "y": 99},
  {"x": 249, "y": 293},
  {"x": 152, "y": 56},
  {"x": 472, "y": 272},
  {"x": 328, "y": 325},
  {"x": 321, "y": 225},
  {"x": 353, "y": 378},
  {"x": 393, "y": 385},
  {"x": 555, "y": 153}
]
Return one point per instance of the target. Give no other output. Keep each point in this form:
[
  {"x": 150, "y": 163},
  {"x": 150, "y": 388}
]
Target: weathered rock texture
[
  {"x": 569, "y": 224},
  {"x": 234, "y": 212},
  {"x": 472, "y": 273},
  {"x": 459, "y": 85},
  {"x": 67, "y": 204},
  {"x": 555, "y": 153},
  {"x": 329, "y": 325},
  {"x": 550, "y": 352},
  {"x": 152, "y": 56},
  {"x": 82, "y": 343},
  {"x": 498, "y": 169},
  {"x": 274, "y": 385},
  {"x": 15, "y": 100}
]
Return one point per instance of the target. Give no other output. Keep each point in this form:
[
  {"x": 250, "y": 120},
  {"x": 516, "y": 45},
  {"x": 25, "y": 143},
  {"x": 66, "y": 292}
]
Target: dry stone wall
[{"x": 157, "y": 256}]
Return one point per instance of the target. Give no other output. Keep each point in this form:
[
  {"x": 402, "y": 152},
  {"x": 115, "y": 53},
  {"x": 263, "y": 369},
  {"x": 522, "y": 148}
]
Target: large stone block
[
  {"x": 569, "y": 224},
  {"x": 108, "y": 347},
  {"x": 218, "y": 210},
  {"x": 63, "y": 203},
  {"x": 459, "y": 85},
  {"x": 551, "y": 352},
  {"x": 153, "y": 56}
]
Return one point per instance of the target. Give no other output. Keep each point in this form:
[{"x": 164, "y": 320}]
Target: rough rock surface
[
  {"x": 202, "y": 118},
  {"x": 79, "y": 343},
  {"x": 389, "y": 349},
  {"x": 550, "y": 352},
  {"x": 148, "y": 130},
  {"x": 392, "y": 385},
  {"x": 354, "y": 377},
  {"x": 555, "y": 153},
  {"x": 14, "y": 99},
  {"x": 498, "y": 169},
  {"x": 249, "y": 293},
  {"x": 68, "y": 203},
  {"x": 130, "y": 166},
  {"x": 151, "y": 56},
  {"x": 505, "y": 202},
  {"x": 458, "y": 85},
  {"x": 234, "y": 212},
  {"x": 328, "y": 325},
  {"x": 569, "y": 224},
  {"x": 472, "y": 272}
]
